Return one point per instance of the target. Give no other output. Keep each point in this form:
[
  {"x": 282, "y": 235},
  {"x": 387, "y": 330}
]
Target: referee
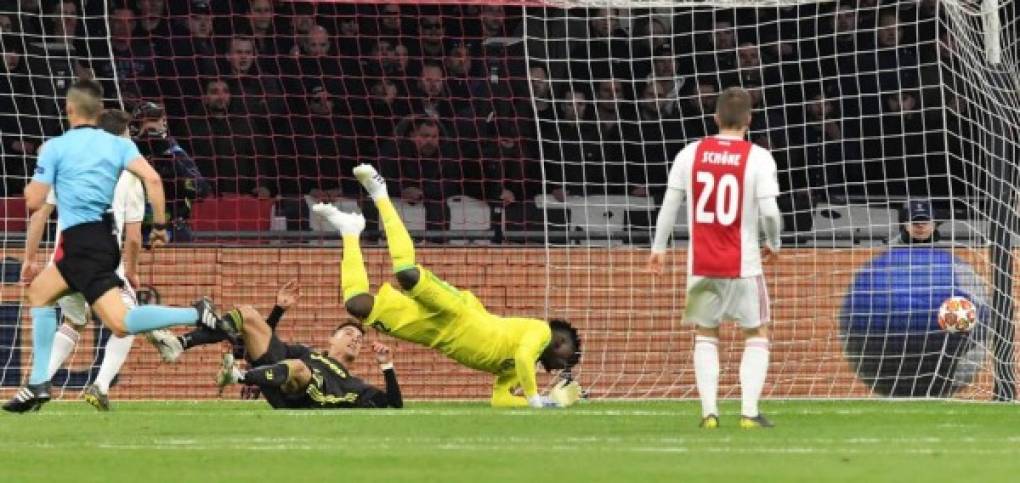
[{"x": 83, "y": 166}]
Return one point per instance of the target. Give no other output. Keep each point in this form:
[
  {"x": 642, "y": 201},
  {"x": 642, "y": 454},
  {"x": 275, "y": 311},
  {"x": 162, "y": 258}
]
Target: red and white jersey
[{"x": 723, "y": 178}]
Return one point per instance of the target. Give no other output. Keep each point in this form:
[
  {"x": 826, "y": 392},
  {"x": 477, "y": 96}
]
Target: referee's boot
[
  {"x": 29, "y": 398},
  {"x": 207, "y": 317}
]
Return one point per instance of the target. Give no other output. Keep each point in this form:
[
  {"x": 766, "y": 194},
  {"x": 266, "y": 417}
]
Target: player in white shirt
[
  {"x": 128, "y": 210},
  {"x": 729, "y": 187}
]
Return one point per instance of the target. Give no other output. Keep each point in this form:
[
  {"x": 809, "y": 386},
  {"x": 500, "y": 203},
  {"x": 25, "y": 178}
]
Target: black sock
[
  {"x": 274, "y": 375},
  {"x": 201, "y": 336}
]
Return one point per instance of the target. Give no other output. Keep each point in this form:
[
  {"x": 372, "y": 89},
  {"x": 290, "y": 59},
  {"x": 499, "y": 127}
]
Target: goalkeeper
[{"x": 435, "y": 314}]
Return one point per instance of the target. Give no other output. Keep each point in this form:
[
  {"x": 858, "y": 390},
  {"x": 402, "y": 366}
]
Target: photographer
[{"x": 182, "y": 182}]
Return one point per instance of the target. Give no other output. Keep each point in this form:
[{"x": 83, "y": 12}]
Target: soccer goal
[{"x": 539, "y": 137}]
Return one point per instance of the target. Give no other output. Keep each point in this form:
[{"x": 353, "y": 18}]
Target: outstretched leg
[
  {"x": 353, "y": 276},
  {"x": 398, "y": 240}
]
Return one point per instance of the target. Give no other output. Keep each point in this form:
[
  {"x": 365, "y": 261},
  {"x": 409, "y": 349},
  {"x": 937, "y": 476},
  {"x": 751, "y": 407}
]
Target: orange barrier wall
[{"x": 633, "y": 347}]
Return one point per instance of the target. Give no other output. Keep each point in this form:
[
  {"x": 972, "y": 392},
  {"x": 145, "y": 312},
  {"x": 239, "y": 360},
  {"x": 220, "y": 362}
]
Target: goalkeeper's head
[
  {"x": 564, "y": 349},
  {"x": 733, "y": 110}
]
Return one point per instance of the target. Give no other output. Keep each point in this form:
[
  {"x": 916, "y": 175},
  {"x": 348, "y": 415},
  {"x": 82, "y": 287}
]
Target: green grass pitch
[{"x": 814, "y": 441}]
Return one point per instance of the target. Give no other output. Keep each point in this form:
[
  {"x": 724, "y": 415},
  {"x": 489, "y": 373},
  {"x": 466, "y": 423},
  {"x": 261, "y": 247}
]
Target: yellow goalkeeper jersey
[{"x": 454, "y": 322}]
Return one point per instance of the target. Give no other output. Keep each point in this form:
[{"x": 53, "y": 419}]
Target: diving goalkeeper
[{"x": 432, "y": 313}]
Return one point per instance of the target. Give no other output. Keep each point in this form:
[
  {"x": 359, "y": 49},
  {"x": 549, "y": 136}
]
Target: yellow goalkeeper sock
[
  {"x": 399, "y": 241},
  {"x": 353, "y": 276}
]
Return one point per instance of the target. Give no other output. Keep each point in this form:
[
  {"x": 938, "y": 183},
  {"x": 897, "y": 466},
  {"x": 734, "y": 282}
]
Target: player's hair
[
  {"x": 423, "y": 121},
  {"x": 560, "y": 325},
  {"x": 86, "y": 96},
  {"x": 732, "y": 108},
  {"x": 114, "y": 121},
  {"x": 349, "y": 322}
]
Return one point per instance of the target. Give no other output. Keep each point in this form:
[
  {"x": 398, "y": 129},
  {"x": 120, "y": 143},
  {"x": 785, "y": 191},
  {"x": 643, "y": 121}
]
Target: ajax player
[
  {"x": 731, "y": 188},
  {"x": 128, "y": 210}
]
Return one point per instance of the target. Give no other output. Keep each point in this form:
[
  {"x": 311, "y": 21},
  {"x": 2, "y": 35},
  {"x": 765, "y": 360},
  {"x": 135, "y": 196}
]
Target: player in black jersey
[{"x": 293, "y": 376}]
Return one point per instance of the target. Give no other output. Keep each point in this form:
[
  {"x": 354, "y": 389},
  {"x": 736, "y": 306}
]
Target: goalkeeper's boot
[
  {"x": 346, "y": 223},
  {"x": 207, "y": 317},
  {"x": 96, "y": 398},
  {"x": 371, "y": 180},
  {"x": 709, "y": 422},
  {"x": 228, "y": 373},
  {"x": 29, "y": 398},
  {"x": 168, "y": 345},
  {"x": 758, "y": 421}
]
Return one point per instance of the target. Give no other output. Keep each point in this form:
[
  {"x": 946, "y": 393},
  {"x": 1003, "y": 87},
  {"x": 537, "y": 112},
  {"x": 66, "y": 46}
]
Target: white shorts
[
  {"x": 76, "y": 310},
  {"x": 712, "y": 300}
]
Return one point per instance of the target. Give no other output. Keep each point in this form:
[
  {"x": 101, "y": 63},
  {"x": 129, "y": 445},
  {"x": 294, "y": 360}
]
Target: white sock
[
  {"x": 706, "y": 373},
  {"x": 754, "y": 365},
  {"x": 63, "y": 345},
  {"x": 117, "y": 349}
]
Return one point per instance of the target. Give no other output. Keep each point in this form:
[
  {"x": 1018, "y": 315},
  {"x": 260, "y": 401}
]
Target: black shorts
[
  {"x": 88, "y": 257},
  {"x": 278, "y": 352}
]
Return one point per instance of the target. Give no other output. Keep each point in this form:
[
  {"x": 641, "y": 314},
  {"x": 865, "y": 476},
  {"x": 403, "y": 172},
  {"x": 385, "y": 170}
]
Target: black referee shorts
[{"x": 88, "y": 257}]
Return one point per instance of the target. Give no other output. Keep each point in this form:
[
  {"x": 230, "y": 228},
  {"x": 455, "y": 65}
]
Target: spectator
[
  {"x": 302, "y": 19},
  {"x": 699, "y": 108},
  {"x": 902, "y": 147},
  {"x": 605, "y": 52},
  {"x": 152, "y": 22},
  {"x": 720, "y": 54},
  {"x": 431, "y": 96},
  {"x": 54, "y": 60},
  {"x": 664, "y": 72},
  {"x": 389, "y": 23},
  {"x": 651, "y": 35},
  {"x": 431, "y": 38},
  {"x": 260, "y": 94},
  {"x": 195, "y": 53},
  {"x": 225, "y": 141},
  {"x": 324, "y": 148},
  {"x": 374, "y": 128},
  {"x": 572, "y": 151},
  {"x": 917, "y": 224},
  {"x": 355, "y": 44},
  {"x": 269, "y": 42},
  {"x": 831, "y": 154},
  {"x": 493, "y": 20},
  {"x": 461, "y": 77},
  {"x": 612, "y": 115},
  {"x": 133, "y": 60},
  {"x": 317, "y": 63},
  {"x": 896, "y": 62},
  {"x": 654, "y": 139},
  {"x": 182, "y": 181},
  {"x": 423, "y": 169},
  {"x": 20, "y": 126},
  {"x": 512, "y": 177}
]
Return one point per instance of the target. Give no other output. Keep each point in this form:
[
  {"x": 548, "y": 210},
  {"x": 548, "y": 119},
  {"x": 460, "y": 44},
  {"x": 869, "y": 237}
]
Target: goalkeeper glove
[{"x": 565, "y": 393}]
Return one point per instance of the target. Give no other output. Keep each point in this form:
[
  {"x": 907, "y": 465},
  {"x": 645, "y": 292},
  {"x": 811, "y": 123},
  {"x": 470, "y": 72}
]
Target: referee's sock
[
  {"x": 44, "y": 328},
  {"x": 144, "y": 318}
]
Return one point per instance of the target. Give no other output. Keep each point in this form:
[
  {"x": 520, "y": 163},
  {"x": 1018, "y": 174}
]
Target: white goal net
[{"x": 878, "y": 113}]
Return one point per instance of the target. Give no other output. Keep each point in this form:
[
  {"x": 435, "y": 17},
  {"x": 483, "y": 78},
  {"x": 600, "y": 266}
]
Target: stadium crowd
[{"x": 280, "y": 99}]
